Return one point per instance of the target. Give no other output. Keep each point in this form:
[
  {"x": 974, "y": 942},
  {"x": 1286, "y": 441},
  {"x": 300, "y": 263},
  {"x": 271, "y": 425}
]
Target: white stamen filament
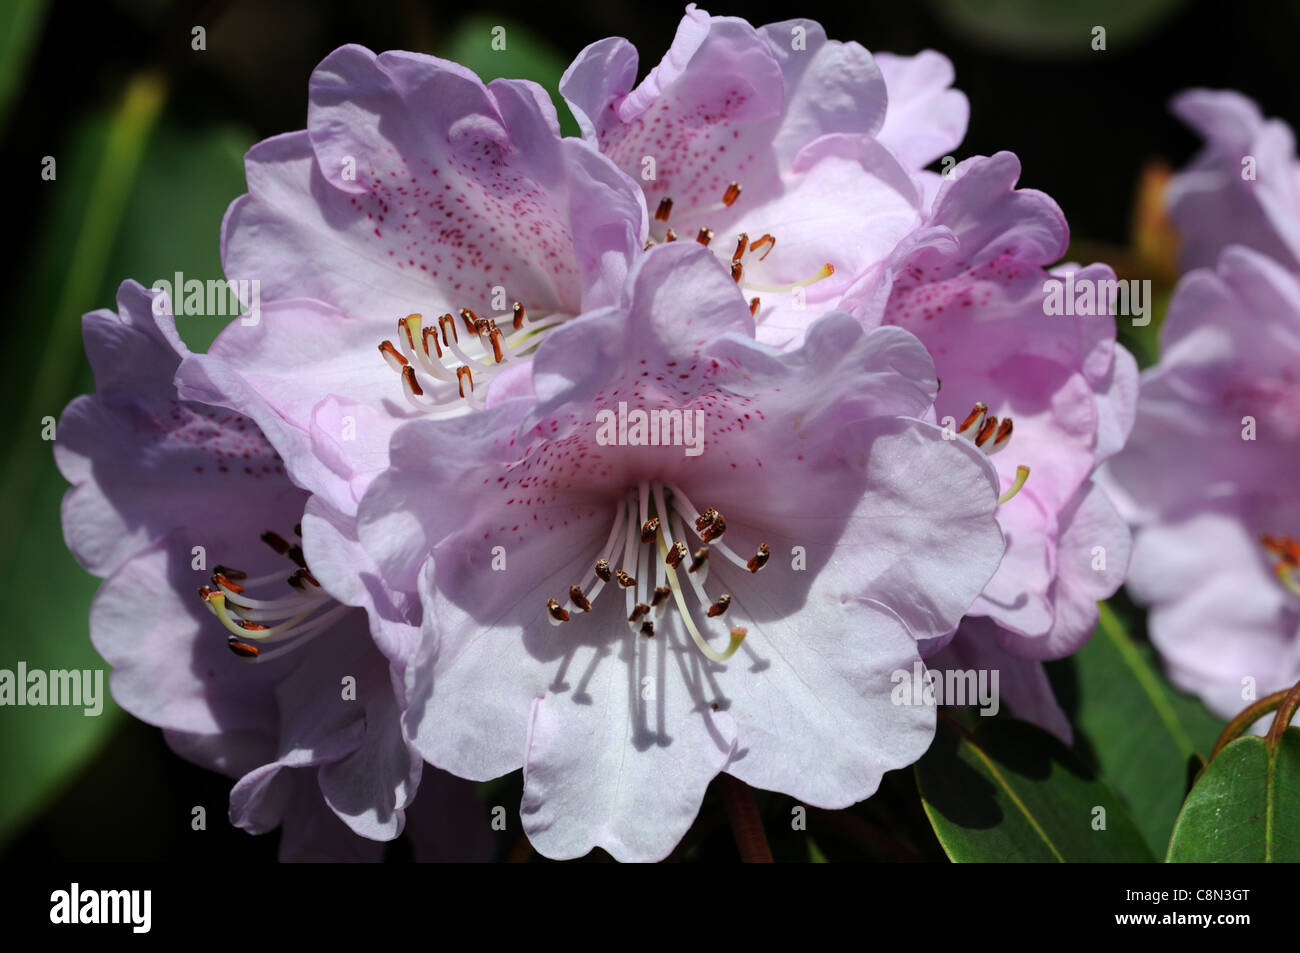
[
  {"x": 633, "y": 517},
  {"x": 446, "y": 386}
]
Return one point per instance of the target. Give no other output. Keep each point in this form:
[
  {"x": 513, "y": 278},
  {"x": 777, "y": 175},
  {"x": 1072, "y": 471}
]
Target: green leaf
[
  {"x": 169, "y": 189},
  {"x": 1245, "y": 808},
  {"x": 20, "y": 28},
  {"x": 525, "y": 57},
  {"x": 1004, "y": 790},
  {"x": 1136, "y": 727}
]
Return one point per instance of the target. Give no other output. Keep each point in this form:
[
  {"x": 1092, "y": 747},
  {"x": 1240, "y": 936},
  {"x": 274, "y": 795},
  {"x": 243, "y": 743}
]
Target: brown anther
[
  {"x": 719, "y": 607},
  {"x": 231, "y": 573},
  {"x": 767, "y": 243},
  {"x": 638, "y": 610},
  {"x": 625, "y": 580},
  {"x": 649, "y": 529},
  {"x": 664, "y": 210},
  {"x": 205, "y": 593},
  {"x": 578, "y": 599},
  {"x": 670, "y": 236},
  {"x": 662, "y": 593},
  {"x": 557, "y": 611},
  {"x": 975, "y": 415},
  {"x": 603, "y": 570},
  {"x": 741, "y": 244},
  {"x": 518, "y": 310},
  {"x": 482, "y": 326},
  {"x": 713, "y": 706},
  {"x": 276, "y": 542},
  {"x": 648, "y": 628},
  {"x": 989, "y": 428},
  {"x": 301, "y": 579},
  {"x": 676, "y": 554},
  {"x": 242, "y": 649},
  {"x": 699, "y": 558},
  {"x": 464, "y": 376},
  {"x": 295, "y": 553},
  {"x": 297, "y": 531},
  {"x": 404, "y": 328},
  {"x": 704, "y": 236},
  {"x": 496, "y": 337},
  {"x": 1286, "y": 549},
  {"x": 737, "y": 271},
  {"x": 431, "y": 334},
  {"x": 650, "y": 243},
  {"x": 753, "y": 307},
  {"x": 408, "y": 375},
  {"x": 445, "y": 322},
  {"x": 759, "y": 559},
  {"x": 220, "y": 579},
  {"x": 471, "y": 320},
  {"x": 711, "y": 525},
  {"x": 251, "y": 626},
  {"x": 386, "y": 348},
  {"x": 1004, "y": 431},
  {"x": 733, "y": 192}
]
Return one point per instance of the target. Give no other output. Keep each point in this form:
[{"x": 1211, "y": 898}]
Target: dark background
[{"x": 1083, "y": 122}]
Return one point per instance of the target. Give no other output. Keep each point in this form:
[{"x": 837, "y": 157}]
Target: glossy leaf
[
  {"x": 1245, "y": 807},
  {"x": 1136, "y": 727},
  {"x": 996, "y": 789}
]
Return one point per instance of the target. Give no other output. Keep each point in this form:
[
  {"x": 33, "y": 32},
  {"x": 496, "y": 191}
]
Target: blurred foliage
[
  {"x": 131, "y": 199},
  {"x": 20, "y": 23},
  {"x": 1050, "y": 28}
]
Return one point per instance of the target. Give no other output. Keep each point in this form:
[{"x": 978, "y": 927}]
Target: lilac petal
[
  {"x": 297, "y": 374},
  {"x": 616, "y": 770},
  {"x": 1018, "y": 596},
  {"x": 1213, "y": 203},
  {"x": 830, "y": 87},
  {"x": 817, "y": 721},
  {"x": 1092, "y": 559},
  {"x": 232, "y": 753},
  {"x": 395, "y": 195},
  {"x": 707, "y": 112},
  {"x": 311, "y": 833},
  {"x": 1218, "y": 615},
  {"x": 1022, "y": 683},
  {"x": 926, "y": 117},
  {"x": 1230, "y": 343}
]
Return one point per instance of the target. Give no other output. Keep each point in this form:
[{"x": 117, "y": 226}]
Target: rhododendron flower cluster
[{"x": 631, "y": 459}]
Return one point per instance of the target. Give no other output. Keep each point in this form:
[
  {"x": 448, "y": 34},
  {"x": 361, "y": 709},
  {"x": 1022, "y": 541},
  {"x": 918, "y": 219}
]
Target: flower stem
[
  {"x": 1286, "y": 710},
  {"x": 1242, "y": 722},
  {"x": 746, "y": 825}
]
